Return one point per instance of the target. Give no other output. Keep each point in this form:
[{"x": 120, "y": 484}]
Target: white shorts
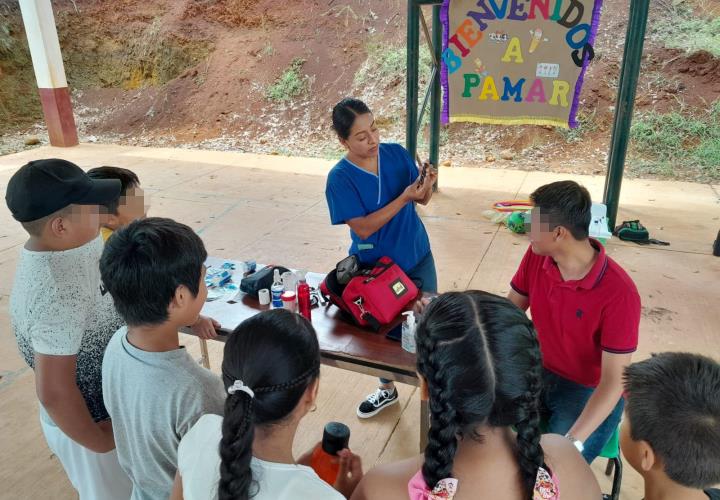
[{"x": 95, "y": 476}]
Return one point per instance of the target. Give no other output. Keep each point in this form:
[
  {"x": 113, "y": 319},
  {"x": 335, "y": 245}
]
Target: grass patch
[
  {"x": 586, "y": 124},
  {"x": 267, "y": 50},
  {"x": 681, "y": 29},
  {"x": 6, "y": 40},
  {"x": 386, "y": 64},
  {"x": 332, "y": 151},
  {"x": 290, "y": 84},
  {"x": 661, "y": 141}
]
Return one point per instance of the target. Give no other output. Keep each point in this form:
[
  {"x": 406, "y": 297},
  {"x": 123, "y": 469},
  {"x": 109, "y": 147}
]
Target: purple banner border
[
  {"x": 445, "y": 22},
  {"x": 594, "y": 25}
]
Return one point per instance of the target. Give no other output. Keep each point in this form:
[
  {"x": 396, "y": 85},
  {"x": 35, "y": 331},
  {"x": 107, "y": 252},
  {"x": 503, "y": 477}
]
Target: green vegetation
[
  {"x": 662, "y": 141},
  {"x": 682, "y": 29},
  {"x": 267, "y": 50},
  {"x": 6, "y": 39},
  {"x": 386, "y": 64},
  {"x": 586, "y": 124},
  {"x": 332, "y": 151},
  {"x": 290, "y": 84}
]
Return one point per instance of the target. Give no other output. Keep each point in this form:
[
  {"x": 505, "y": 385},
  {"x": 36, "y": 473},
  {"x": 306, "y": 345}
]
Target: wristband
[{"x": 576, "y": 442}]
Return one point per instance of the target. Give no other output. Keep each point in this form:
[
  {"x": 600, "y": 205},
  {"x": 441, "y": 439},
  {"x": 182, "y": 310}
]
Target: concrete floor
[{"x": 272, "y": 208}]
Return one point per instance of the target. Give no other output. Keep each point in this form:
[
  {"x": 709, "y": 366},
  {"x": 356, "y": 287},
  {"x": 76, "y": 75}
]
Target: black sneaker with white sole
[{"x": 377, "y": 402}]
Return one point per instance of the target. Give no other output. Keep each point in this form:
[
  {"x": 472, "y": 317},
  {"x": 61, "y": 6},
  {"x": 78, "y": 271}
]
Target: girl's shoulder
[
  {"x": 388, "y": 481},
  {"x": 575, "y": 479},
  {"x": 207, "y": 429}
]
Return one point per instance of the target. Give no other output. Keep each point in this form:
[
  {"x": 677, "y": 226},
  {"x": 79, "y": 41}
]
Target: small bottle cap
[
  {"x": 410, "y": 317},
  {"x": 336, "y": 438}
]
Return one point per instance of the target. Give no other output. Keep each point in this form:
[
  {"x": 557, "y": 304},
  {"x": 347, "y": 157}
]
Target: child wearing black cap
[{"x": 63, "y": 318}]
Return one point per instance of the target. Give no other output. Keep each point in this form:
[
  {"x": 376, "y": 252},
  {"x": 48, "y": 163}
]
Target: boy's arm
[
  {"x": 57, "y": 390},
  {"x": 519, "y": 300},
  {"x": 520, "y": 283},
  {"x": 177, "y": 491},
  {"x": 205, "y": 327},
  {"x": 618, "y": 338},
  {"x": 604, "y": 398}
]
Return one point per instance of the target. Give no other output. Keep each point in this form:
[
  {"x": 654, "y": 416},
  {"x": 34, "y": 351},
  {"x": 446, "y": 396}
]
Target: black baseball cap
[{"x": 42, "y": 187}]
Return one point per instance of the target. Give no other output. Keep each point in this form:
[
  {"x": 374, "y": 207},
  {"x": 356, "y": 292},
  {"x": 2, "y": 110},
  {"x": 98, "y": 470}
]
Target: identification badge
[{"x": 365, "y": 246}]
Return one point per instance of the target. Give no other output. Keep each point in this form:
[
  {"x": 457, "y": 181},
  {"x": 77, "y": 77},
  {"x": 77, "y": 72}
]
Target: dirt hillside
[{"x": 249, "y": 75}]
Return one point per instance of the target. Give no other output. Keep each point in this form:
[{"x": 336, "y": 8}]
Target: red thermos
[{"x": 303, "y": 300}]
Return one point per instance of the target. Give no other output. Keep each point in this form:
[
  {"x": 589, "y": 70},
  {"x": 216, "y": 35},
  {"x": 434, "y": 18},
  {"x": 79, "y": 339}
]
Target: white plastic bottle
[
  {"x": 277, "y": 290},
  {"x": 408, "y": 332}
]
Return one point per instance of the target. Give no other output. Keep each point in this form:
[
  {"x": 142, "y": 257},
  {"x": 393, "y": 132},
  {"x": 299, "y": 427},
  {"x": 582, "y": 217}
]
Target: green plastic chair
[{"x": 611, "y": 451}]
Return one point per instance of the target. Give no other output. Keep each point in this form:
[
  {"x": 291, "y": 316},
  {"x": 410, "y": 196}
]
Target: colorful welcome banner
[{"x": 516, "y": 61}]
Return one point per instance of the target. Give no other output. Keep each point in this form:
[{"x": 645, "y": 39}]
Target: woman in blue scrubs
[{"x": 373, "y": 189}]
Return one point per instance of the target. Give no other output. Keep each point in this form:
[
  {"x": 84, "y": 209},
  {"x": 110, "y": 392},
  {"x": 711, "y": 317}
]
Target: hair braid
[
  {"x": 276, "y": 354},
  {"x": 290, "y": 384},
  {"x": 480, "y": 358},
  {"x": 238, "y": 432},
  {"x": 530, "y": 453},
  {"x": 444, "y": 426}
]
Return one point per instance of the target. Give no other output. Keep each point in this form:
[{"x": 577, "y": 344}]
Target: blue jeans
[
  {"x": 563, "y": 401},
  {"x": 424, "y": 276}
]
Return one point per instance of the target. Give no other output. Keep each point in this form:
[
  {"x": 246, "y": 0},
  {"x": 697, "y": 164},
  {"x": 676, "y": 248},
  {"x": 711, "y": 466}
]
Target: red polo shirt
[{"x": 577, "y": 320}]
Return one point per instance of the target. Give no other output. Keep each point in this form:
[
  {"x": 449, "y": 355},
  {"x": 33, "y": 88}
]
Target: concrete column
[{"x": 49, "y": 71}]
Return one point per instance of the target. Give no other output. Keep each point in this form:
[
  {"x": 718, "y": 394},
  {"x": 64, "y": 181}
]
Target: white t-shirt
[
  {"x": 59, "y": 307},
  {"x": 199, "y": 466}
]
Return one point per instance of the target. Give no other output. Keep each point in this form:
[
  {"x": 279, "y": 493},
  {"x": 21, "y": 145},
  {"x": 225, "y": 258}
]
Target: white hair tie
[{"x": 239, "y": 386}]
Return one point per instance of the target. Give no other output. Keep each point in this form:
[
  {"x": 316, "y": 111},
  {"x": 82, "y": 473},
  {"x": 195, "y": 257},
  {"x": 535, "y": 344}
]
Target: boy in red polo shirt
[{"x": 586, "y": 310}]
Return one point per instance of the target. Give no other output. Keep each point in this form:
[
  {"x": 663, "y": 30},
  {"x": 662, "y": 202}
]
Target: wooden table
[{"x": 342, "y": 344}]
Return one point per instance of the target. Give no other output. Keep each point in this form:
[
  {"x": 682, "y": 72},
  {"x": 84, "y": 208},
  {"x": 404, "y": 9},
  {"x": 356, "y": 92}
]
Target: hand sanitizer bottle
[
  {"x": 277, "y": 290},
  {"x": 408, "y": 332}
]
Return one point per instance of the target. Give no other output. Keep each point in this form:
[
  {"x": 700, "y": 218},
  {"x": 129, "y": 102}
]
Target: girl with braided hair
[
  {"x": 271, "y": 370},
  {"x": 479, "y": 365}
]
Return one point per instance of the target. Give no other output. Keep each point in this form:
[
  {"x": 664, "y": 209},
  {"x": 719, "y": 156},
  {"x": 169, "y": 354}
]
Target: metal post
[
  {"x": 413, "y": 56},
  {"x": 435, "y": 103},
  {"x": 627, "y": 86}
]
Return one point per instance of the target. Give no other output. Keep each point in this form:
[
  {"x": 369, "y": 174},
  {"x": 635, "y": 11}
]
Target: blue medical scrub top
[{"x": 353, "y": 192}]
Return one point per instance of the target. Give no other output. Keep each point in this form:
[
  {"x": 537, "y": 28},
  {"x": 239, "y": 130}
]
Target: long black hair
[
  {"x": 480, "y": 357},
  {"x": 344, "y": 113},
  {"x": 276, "y": 354}
]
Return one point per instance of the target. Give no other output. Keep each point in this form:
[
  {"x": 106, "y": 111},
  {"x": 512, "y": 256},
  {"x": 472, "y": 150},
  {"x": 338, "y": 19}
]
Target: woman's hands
[
  {"x": 417, "y": 191},
  {"x": 422, "y": 192}
]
